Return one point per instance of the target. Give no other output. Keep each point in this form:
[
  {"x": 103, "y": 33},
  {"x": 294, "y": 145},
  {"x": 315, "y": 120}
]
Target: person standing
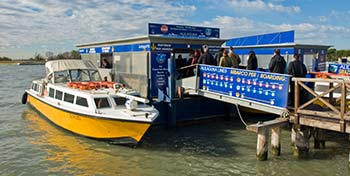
[
  {"x": 252, "y": 61},
  {"x": 206, "y": 57},
  {"x": 236, "y": 60},
  {"x": 193, "y": 61},
  {"x": 296, "y": 68},
  {"x": 105, "y": 64},
  {"x": 218, "y": 55},
  {"x": 225, "y": 61},
  {"x": 277, "y": 63}
]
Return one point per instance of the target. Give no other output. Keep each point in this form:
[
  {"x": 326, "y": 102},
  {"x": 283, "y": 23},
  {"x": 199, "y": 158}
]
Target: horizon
[{"x": 39, "y": 26}]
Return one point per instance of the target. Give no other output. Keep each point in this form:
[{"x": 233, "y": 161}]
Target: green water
[{"x": 30, "y": 145}]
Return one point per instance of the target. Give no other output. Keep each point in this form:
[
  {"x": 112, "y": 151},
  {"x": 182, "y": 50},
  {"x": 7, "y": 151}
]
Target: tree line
[
  {"x": 333, "y": 54},
  {"x": 49, "y": 56}
]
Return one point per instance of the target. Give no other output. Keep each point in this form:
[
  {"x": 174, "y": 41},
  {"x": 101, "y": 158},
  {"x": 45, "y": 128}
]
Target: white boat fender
[{"x": 24, "y": 98}]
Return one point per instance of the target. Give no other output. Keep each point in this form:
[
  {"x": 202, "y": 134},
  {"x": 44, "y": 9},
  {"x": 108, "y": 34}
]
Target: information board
[
  {"x": 181, "y": 31},
  {"x": 266, "y": 88},
  {"x": 159, "y": 72},
  {"x": 343, "y": 69}
]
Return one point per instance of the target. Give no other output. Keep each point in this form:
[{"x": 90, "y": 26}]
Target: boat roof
[{"x": 68, "y": 64}]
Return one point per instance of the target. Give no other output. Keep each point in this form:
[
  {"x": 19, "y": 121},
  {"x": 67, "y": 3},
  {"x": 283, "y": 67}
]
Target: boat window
[
  {"x": 119, "y": 100},
  {"x": 81, "y": 101},
  {"x": 102, "y": 103},
  {"x": 95, "y": 76},
  {"x": 61, "y": 77},
  {"x": 58, "y": 95},
  {"x": 75, "y": 75},
  {"x": 84, "y": 75},
  {"x": 36, "y": 87},
  {"x": 51, "y": 92},
  {"x": 68, "y": 97}
]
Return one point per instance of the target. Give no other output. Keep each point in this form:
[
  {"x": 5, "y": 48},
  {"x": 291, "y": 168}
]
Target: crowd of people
[{"x": 230, "y": 59}]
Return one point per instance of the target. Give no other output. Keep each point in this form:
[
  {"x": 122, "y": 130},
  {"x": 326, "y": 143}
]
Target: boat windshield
[{"x": 77, "y": 75}]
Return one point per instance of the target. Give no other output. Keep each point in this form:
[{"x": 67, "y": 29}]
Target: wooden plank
[
  {"x": 342, "y": 108},
  {"x": 278, "y": 122},
  {"x": 329, "y": 114},
  {"x": 323, "y": 124},
  {"x": 318, "y": 80}
]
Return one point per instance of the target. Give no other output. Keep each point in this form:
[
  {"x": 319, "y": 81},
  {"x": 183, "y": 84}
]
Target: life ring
[{"x": 24, "y": 98}]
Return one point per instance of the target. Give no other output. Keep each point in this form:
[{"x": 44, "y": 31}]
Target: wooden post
[
  {"x": 293, "y": 136},
  {"x": 296, "y": 101},
  {"x": 301, "y": 146},
  {"x": 319, "y": 139},
  {"x": 262, "y": 145},
  {"x": 276, "y": 141}
]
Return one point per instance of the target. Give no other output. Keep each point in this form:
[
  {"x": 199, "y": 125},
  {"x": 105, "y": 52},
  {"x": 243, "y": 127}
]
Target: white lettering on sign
[
  {"x": 106, "y": 49},
  {"x": 92, "y": 50},
  {"x": 144, "y": 47}
]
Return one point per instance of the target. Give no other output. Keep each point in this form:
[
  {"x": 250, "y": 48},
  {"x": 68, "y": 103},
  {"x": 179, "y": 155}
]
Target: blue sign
[
  {"x": 265, "y": 39},
  {"x": 168, "y": 47},
  {"x": 118, "y": 48},
  {"x": 159, "y": 72},
  {"x": 343, "y": 69},
  {"x": 266, "y": 88},
  {"x": 181, "y": 31}
]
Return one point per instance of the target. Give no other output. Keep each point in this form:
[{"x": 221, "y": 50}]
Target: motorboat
[{"x": 74, "y": 97}]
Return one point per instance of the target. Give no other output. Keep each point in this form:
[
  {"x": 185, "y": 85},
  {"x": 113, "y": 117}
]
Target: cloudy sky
[{"x": 30, "y": 26}]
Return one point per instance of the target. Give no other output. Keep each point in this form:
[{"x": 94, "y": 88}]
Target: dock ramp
[{"x": 262, "y": 91}]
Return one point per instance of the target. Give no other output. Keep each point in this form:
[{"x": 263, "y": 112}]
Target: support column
[
  {"x": 171, "y": 92},
  {"x": 262, "y": 145},
  {"x": 276, "y": 141},
  {"x": 319, "y": 139},
  {"x": 301, "y": 145}
]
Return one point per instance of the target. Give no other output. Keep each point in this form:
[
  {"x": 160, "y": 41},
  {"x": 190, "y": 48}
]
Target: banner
[
  {"x": 343, "y": 69},
  {"x": 159, "y": 72},
  {"x": 181, "y": 31},
  {"x": 266, "y": 88}
]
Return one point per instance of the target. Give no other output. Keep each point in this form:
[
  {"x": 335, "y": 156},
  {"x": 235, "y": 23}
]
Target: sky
[{"x": 37, "y": 26}]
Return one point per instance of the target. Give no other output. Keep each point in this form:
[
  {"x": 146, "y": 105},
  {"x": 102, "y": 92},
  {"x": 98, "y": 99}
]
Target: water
[{"x": 30, "y": 145}]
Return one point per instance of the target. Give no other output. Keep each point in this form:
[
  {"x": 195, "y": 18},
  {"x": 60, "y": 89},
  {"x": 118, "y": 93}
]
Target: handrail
[{"x": 340, "y": 112}]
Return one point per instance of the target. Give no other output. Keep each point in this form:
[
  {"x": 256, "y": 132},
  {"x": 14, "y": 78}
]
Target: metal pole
[{"x": 171, "y": 92}]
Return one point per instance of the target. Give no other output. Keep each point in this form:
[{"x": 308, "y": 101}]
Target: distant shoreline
[{"x": 22, "y": 62}]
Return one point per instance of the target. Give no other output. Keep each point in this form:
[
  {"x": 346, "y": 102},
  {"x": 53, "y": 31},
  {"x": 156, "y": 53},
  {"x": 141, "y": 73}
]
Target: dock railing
[{"x": 333, "y": 109}]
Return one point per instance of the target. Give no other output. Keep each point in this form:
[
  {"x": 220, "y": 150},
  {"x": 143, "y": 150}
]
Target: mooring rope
[{"x": 240, "y": 116}]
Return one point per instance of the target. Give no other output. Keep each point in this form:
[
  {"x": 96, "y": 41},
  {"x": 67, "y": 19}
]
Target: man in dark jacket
[
  {"x": 206, "y": 57},
  {"x": 297, "y": 69},
  {"x": 277, "y": 63}
]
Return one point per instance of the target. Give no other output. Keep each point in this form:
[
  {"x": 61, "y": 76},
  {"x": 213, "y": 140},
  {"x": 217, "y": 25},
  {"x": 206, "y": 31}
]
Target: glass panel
[
  {"x": 75, "y": 75},
  {"x": 61, "y": 77},
  {"x": 84, "y": 75},
  {"x": 119, "y": 100},
  {"x": 58, "y": 95},
  {"x": 68, "y": 97},
  {"x": 81, "y": 101},
  {"x": 51, "y": 92},
  {"x": 102, "y": 103},
  {"x": 95, "y": 76}
]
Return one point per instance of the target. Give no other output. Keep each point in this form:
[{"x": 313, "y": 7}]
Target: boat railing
[{"x": 333, "y": 109}]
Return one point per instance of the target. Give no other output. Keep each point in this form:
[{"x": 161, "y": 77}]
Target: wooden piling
[
  {"x": 262, "y": 144},
  {"x": 319, "y": 139},
  {"x": 301, "y": 145},
  {"x": 276, "y": 141}
]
